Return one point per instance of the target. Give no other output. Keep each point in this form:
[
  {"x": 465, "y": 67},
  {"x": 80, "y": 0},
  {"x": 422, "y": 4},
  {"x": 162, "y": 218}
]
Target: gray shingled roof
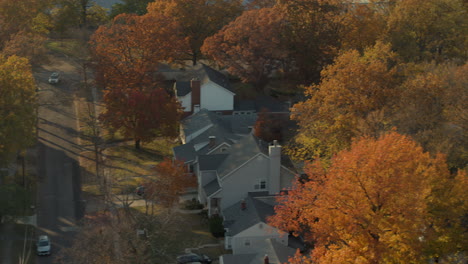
[
  {"x": 257, "y": 210},
  {"x": 241, "y": 152},
  {"x": 226, "y": 129},
  {"x": 185, "y": 152},
  {"x": 204, "y": 73},
  {"x": 237, "y": 259},
  {"x": 182, "y": 88},
  {"x": 211, "y": 187},
  {"x": 197, "y": 121},
  {"x": 211, "y": 162}
]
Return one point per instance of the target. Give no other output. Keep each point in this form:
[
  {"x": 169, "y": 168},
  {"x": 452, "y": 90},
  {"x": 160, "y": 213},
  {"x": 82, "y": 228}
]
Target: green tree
[{"x": 17, "y": 106}]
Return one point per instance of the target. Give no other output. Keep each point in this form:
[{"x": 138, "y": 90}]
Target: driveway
[{"x": 58, "y": 192}]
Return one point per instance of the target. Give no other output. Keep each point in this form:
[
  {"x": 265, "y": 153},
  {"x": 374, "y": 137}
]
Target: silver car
[
  {"x": 43, "y": 245},
  {"x": 54, "y": 78}
]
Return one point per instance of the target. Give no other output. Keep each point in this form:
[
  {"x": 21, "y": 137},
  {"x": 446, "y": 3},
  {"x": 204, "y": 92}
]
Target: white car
[
  {"x": 43, "y": 245},
  {"x": 54, "y": 78}
]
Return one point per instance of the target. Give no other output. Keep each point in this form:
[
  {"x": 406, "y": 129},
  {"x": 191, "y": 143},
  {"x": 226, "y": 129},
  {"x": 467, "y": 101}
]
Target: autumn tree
[
  {"x": 28, "y": 45},
  {"x": 362, "y": 25},
  {"x": 170, "y": 181},
  {"x": 432, "y": 109},
  {"x": 17, "y": 106},
  {"x": 377, "y": 202},
  {"x": 198, "y": 19},
  {"x": 257, "y": 4},
  {"x": 24, "y": 25},
  {"x": 312, "y": 35},
  {"x": 268, "y": 126},
  {"x": 427, "y": 30},
  {"x": 141, "y": 114},
  {"x": 127, "y": 52},
  {"x": 130, "y": 7},
  {"x": 351, "y": 100},
  {"x": 251, "y": 46}
]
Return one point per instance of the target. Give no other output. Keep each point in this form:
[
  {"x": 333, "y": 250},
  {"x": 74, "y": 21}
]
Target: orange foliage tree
[
  {"x": 171, "y": 180},
  {"x": 379, "y": 202},
  {"x": 141, "y": 114},
  {"x": 128, "y": 51},
  {"x": 350, "y": 100},
  {"x": 198, "y": 19},
  {"x": 251, "y": 47},
  {"x": 127, "y": 54}
]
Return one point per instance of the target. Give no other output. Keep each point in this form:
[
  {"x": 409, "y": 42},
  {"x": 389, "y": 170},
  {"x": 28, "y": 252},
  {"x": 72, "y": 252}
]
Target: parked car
[
  {"x": 140, "y": 190},
  {"x": 54, "y": 78},
  {"x": 43, "y": 245},
  {"x": 193, "y": 258}
]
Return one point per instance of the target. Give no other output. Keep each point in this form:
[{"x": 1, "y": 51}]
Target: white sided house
[
  {"x": 206, "y": 88},
  {"x": 246, "y": 225},
  {"x": 227, "y": 175}
]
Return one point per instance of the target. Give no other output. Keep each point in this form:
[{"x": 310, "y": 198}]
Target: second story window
[{"x": 261, "y": 185}]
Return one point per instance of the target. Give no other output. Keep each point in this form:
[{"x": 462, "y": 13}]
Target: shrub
[{"x": 216, "y": 226}]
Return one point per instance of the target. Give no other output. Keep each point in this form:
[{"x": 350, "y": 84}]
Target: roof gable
[{"x": 256, "y": 211}]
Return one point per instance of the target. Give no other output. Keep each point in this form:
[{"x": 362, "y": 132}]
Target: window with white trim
[{"x": 261, "y": 185}]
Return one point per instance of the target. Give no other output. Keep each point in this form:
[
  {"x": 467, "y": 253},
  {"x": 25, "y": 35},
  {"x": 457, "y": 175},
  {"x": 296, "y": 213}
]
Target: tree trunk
[
  {"x": 137, "y": 144},
  {"x": 194, "y": 58}
]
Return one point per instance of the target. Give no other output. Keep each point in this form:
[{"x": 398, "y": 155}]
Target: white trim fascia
[
  {"x": 220, "y": 188},
  {"x": 217, "y": 147},
  {"x": 243, "y": 164},
  {"x": 288, "y": 170}
]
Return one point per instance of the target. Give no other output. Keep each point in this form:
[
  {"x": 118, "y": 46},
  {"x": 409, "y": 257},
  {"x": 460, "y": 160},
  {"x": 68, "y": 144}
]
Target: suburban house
[
  {"x": 246, "y": 225},
  {"x": 271, "y": 252},
  {"x": 202, "y": 87},
  {"x": 227, "y": 175},
  {"x": 251, "y": 238},
  {"x": 205, "y": 132}
]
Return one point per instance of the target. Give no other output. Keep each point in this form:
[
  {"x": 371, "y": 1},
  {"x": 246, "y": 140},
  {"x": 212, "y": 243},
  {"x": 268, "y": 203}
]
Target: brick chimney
[
  {"x": 195, "y": 86},
  {"x": 274, "y": 151},
  {"x": 266, "y": 260},
  {"x": 243, "y": 205}
]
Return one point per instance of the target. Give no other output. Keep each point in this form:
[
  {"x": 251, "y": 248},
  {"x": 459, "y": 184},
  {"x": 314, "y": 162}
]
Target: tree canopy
[
  {"x": 127, "y": 54},
  {"x": 17, "y": 106},
  {"x": 350, "y": 100},
  {"x": 378, "y": 202},
  {"x": 198, "y": 19},
  {"x": 251, "y": 46}
]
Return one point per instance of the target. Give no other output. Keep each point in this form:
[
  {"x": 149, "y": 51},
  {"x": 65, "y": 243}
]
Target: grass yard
[{"x": 69, "y": 47}]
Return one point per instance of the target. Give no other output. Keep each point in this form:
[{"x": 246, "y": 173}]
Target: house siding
[
  {"x": 216, "y": 98},
  {"x": 243, "y": 180},
  {"x": 186, "y": 102},
  {"x": 256, "y": 236}
]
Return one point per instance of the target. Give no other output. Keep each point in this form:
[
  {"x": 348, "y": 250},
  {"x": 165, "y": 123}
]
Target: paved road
[{"x": 58, "y": 194}]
